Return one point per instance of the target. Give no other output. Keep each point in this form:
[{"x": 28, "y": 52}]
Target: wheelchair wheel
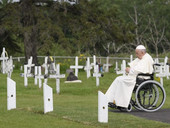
[
  {"x": 129, "y": 109},
  {"x": 134, "y": 104},
  {"x": 150, "y": 96}
]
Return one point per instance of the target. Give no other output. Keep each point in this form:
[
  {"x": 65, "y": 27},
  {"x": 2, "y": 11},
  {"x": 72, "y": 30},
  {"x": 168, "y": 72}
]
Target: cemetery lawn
[{"x": 75, "y": 107}]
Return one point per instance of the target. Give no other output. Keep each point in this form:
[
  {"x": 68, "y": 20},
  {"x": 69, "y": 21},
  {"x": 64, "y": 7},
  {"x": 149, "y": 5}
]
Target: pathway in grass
[{"x": 162, "y": 115}]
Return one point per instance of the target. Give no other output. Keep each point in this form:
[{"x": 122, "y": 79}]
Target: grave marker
[
  {"x": 94, "y": 62},
  {"x": 9, "y": 66},
  {"x": 123, "y": 68},
  {"x": 131, "y": 58},
  {"x": 39, "y": 76},
  {"x": 4, "y": 58},
  {"x": 30, "y": 65},
  {"x": 58, "y": 76},
  {"x": 11, "y": 94},
  {"x": 35, "y": 73},
  {"x": 76, "y": 67},
  {"x": 88, "y": 67},
  {"x": 157, "y": 68},
  {"x": 97, "y": 74},
  {"x": 161, "y": 75},
  {"x": 107, "y": 65},
  {"x": 27, "y": 71},
  {"x": 48, "y": 98},
  {"x": 116, "y": 67},
  {"x": 163, "y": 70},
  {"x": 102, "y": 108}
]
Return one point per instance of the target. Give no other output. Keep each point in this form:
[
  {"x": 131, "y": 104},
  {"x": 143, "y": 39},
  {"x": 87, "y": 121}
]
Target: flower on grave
[{"x": 81, "y": 55}]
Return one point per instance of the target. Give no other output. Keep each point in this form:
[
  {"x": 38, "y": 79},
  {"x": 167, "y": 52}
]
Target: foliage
[
  {"x": 101, "y": 27},
  {"x": 151, "y": 22}
]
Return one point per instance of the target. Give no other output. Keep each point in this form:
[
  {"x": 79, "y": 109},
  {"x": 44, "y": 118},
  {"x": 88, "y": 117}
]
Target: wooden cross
[
  {"x": 76, "y": 67},
  {"x": 107, "y": 65},
  {"x": 96, "y": 74},
  {"x": 88, "y": 67},
  {"x": 123, "y": 67},
  {"x": 4, "y": 59}
]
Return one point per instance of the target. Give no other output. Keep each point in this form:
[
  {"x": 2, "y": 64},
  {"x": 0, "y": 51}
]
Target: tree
[
  {"x": 146, "y": 16},
  {"x": 9, "y": 31},
  {"x": 29, "y": 22},
  {"x": 3, "y": 3}
]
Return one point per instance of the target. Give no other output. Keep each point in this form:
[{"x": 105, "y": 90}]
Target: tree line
[{"x": 100, "y": 27}]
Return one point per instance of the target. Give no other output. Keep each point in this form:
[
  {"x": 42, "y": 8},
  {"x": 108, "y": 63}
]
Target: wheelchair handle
[
  {"x": 156, "y": 64},
  {"x": 160, "y": 64},
  {"x": 167, "y": 64}
]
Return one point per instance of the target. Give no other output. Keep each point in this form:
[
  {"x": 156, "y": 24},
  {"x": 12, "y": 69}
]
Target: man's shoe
[{"x": 111, "y": 105}]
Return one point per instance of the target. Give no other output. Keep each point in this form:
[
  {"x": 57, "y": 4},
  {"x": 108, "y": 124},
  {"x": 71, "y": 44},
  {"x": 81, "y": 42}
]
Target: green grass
[{"x": 75, "y": 106}]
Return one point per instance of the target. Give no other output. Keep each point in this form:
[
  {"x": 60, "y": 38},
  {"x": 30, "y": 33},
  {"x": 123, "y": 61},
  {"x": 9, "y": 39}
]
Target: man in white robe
[{"x": 120, "y": 91}]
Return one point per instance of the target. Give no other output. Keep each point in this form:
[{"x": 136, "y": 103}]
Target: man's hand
[{"x": 127, "y": 69}]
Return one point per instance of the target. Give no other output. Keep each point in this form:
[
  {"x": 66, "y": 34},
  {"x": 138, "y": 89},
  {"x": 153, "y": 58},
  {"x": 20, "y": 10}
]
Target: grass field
[{"x": 75, "y": 107}]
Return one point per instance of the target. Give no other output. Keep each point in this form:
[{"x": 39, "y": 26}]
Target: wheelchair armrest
[
  {"x": 146, "y": 74},
  {"x": 141, "y": 80}
]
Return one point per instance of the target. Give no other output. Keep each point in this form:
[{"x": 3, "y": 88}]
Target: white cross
[
  {"x": 116, "y": 67},
  {"x": 157, "y": 68},
  {"x": 164, "y": 70},
  {"x": 76, "y": 67},
  {"x": 26, "y": 75},
  {"x": 156, "y": 60},
  {"x": 107, "y": 65},
  {"x": 88, "y": 67},
  {"x": 161, "y": 75},
  {"x": 94, "y": 60},
  {"x": 96, "y": 74},
  {"x": 30, "y": 65},
  {"x": 45, "y": 65},
  {"x": 4, "y": 59},
  {"x": 166, "y": 67},
  {"x": 9, "y": 66},
  {"x": 27, "y": 71},
  {"x": 131, "y": 58},
  {"x": 18, "y": 59},
  {"x": 57, "y": 76},
  {"x": 123, "y": 67},
  {"x": 167, "y": 71},
  {"x": 38, "y": 76}
]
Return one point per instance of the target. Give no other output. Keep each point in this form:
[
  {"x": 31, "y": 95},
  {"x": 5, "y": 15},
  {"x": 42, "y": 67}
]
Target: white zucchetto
[{"x": 140, "y": 47}]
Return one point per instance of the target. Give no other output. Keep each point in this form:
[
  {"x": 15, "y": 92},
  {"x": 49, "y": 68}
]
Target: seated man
[{"x": 120, "y": 91}]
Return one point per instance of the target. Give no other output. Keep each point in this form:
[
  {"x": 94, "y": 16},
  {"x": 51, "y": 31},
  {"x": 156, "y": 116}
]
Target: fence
[{"x": 66, "y": 61}]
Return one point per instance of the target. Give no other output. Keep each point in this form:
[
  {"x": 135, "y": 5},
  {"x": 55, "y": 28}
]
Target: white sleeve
[{"x": 133, "y": 71}]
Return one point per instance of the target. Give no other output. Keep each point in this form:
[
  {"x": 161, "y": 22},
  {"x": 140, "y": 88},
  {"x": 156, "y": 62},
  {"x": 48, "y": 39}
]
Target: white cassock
[{"x": 121, "y": 89}]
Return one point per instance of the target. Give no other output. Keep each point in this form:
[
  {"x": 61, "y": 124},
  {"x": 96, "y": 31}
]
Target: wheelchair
[{"x": 148, "y": 95}]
